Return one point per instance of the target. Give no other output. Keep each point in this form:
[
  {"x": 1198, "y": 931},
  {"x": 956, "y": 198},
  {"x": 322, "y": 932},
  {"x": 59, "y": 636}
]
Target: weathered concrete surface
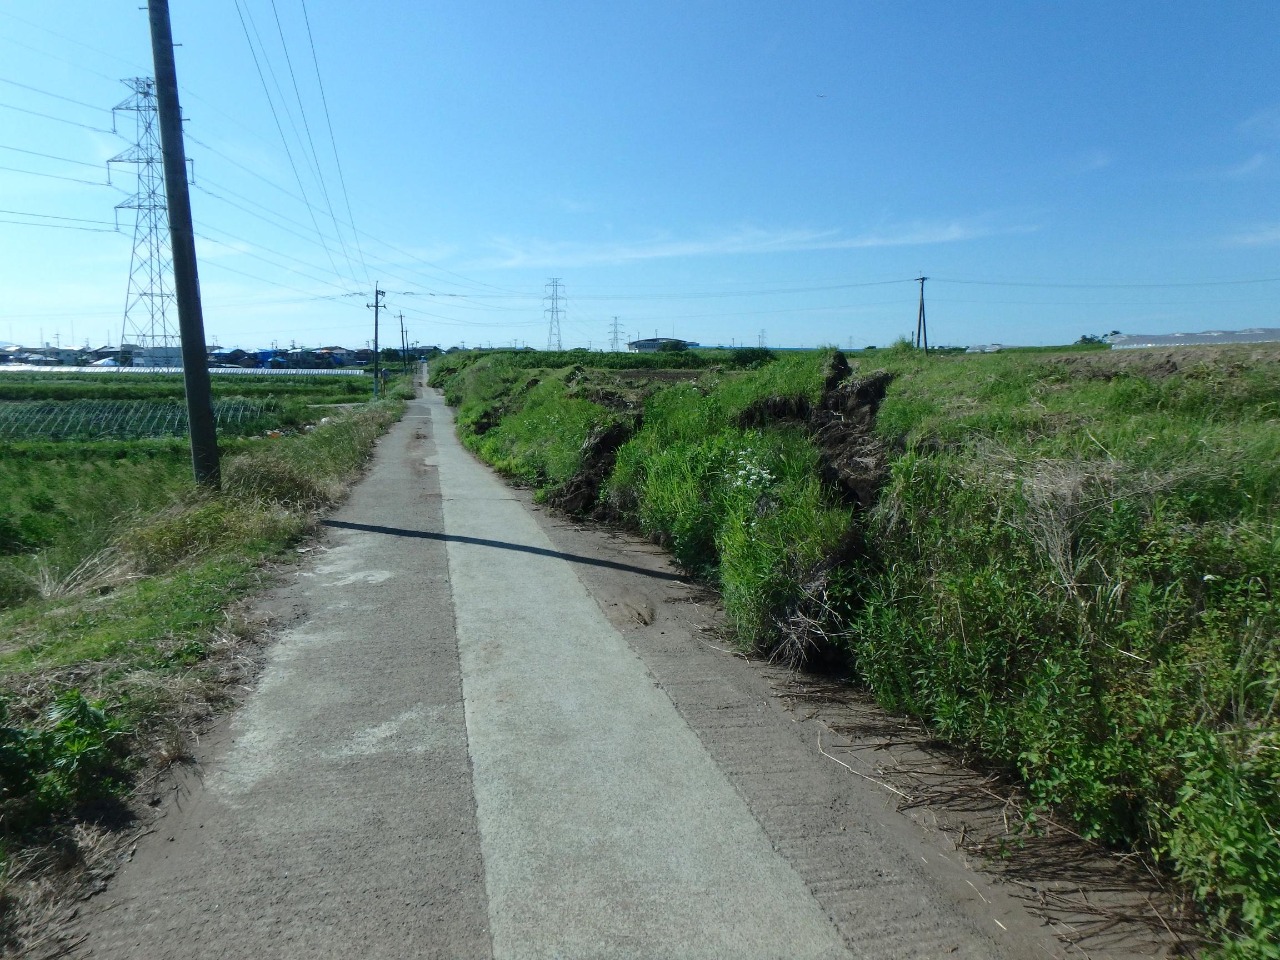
[
  {"x": 606, "y": 828},
  {"x": 336, "y": 816},
  {"x": 490, "y": 734}
]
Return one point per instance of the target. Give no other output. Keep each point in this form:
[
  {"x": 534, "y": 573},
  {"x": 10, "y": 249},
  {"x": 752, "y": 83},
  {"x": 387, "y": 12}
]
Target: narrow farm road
[{"x": 483, "y": 733}]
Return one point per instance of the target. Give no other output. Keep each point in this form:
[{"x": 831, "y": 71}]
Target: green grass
[
  {"x": 539, "y": 443},
  {"x": 739, "y": 506},
  {"x": 1077, "y": 576},
  {"x": 133, "y": 419},
  {"x": 50, "y": 385},
  {"x": 117, "y": 583},
  {"x": 1071, "y": 571}
]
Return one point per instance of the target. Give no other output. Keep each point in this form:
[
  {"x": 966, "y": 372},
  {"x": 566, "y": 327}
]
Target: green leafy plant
[
  {"x": 1071, "y": 570},
  {"x": 71, "y": 758}
]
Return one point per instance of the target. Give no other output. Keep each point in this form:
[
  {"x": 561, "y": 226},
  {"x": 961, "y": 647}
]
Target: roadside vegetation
[
  {"x": 1063, "y": 561},
  {"x": 118, "y": 584}
]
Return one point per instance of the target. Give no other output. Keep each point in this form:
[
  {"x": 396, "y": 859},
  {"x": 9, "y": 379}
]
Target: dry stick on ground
[
  {"x": 1110, "y": 916},
  {"x": 858, "y": 773}
]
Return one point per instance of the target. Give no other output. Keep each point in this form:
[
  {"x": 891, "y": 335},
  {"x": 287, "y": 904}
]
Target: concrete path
[
  {"x": 458, "y": 750},
  {"x": 606, "y": 828}
]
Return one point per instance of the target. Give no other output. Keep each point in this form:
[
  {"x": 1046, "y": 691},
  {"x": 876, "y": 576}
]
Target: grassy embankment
[
  {"x": 116, "y": 577},
  {"x": 1067, "y": 562}
]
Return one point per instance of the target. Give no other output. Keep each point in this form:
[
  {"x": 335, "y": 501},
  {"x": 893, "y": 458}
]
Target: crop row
[{"x": 123, "y": 419}]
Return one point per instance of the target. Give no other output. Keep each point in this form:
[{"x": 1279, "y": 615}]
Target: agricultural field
[
  {"x": 1063, "y": 562},
  {"x": 126, "y": 419},
  {"x": 117, "y": 575}
]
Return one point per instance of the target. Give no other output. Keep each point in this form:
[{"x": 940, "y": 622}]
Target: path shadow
[{"x": 504, "y": 545}]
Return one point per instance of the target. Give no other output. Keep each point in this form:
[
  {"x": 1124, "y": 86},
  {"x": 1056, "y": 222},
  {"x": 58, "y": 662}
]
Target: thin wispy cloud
[
  {"x": 742, "y": 241},
  {"x": 1247, "y": 168},
  {"x": 1251, "y": 166},
  {"x": 1091, "y": 162},
  {"x": 1264, "y": 125},
  {"x": 1264, "y": 235}
]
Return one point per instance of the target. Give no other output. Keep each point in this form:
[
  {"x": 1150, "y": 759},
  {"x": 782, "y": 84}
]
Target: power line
[
  {"x": 97, "y": 108},
  {"x": 50, "y": 216},
  {"x": 356, "y": 230},
  {"x": 62, "y": 226},
  {"x": 265, "y": 255},
  {"x": 60, "y": 59},
  {"x": 306, "y": 125},
  {"x": 730, "y": 294},
  {"x": 50, "y": 156},
  {"x": 49, "y": 116},
  {"x": 1109, "y": 286},
  {"x": 54, "y": 176},
  {"x": 280, "y": 129},
  {"x": 1180, "y": 301},
  {"x": 269, "y": 220},
  {"x": 342, "y": 180},
  {"x": 263, "y": 217},
  {"x": 69, "y": 39},
  {"x": 253, "y": 276}
]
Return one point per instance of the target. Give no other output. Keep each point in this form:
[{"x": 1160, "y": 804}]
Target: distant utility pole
[
  {"x": 553, "y": 315},
  {"x": 377, "y": 367},
  {"x": 404, "y": 347},
  {"x": 922, "y": 331},
  {"x": 182, "y": 241},
  {"x": 614, "y": 336}
]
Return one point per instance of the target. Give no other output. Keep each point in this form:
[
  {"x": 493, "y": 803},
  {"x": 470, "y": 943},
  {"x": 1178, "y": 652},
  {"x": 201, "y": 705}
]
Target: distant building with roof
[
  {"x": 1131, "y": 341},
  {"x": 655, "y": 344}
]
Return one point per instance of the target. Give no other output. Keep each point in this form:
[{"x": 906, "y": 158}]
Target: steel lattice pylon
[
  {"x": 553, "y": 314},
  {"x": 147, "y": 326}
]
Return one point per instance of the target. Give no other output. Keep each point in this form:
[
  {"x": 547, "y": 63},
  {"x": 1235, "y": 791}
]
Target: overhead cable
[
  {"x": 55, "y": 176},
  {"x": 280, "y": 129},
  {"x": 49, "y": 116},
  {"x": 50, "y": 156},
  {"x": 342, "y": 180},
  {"x": 306, "y": 125}
]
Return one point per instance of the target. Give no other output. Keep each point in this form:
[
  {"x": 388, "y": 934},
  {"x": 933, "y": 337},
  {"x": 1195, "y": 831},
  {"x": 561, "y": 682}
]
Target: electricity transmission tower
[
  {"x": 553, "y": 315},
  {"x": 149, "y": 300},
  {"x": 614, "y": 336}
]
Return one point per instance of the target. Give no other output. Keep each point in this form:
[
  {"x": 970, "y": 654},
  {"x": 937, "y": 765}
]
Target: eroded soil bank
[{"x": 1062, "y": 564}]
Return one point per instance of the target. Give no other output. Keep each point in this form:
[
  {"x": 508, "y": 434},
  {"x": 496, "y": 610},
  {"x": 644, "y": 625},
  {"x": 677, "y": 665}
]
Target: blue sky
[{"x": 718, "y": 171}]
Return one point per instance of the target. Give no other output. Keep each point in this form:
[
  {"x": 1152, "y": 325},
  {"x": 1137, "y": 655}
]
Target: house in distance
[{"x": 659, "y": 344}]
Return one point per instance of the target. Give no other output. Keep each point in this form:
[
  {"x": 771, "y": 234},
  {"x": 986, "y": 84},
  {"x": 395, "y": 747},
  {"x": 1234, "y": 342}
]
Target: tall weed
[
  {"x": 1071, "y": 572},
  {"x": 1078, "y": 579}
]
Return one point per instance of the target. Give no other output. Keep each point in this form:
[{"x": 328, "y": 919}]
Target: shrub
[
  {"x": 747, "y": 358},
  {"x": 72, "y": 758}
]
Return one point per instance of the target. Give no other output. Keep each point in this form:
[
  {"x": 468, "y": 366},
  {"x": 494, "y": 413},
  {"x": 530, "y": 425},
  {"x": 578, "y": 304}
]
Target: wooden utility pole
[
  {"x": 922, "y": 331},
  {"x": 182, "y": 240},
  {"x": 377, "y": 365},
  {"x": 404, "y": 347}
]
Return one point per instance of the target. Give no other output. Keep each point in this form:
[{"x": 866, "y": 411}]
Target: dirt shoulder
[{"x": 818, "y": 762}]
